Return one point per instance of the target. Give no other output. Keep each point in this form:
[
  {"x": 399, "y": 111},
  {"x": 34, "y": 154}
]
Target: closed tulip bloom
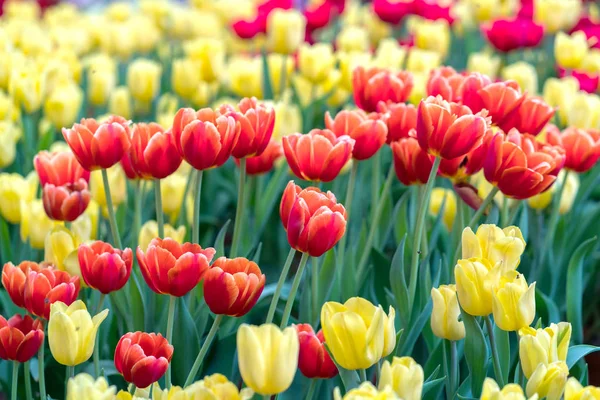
[
  {"x": 411, "y": 163},
  {"x": 143, "y": 79},
  {"x": 500, "y": 99},
  {"x": 232, "y": 286},
  {"x": 264, "y": 163},
  {"x": 548, "y": 381},
  {"x": 20, "y": 338},
  {"x": 83, "y": 386},
  {"x": 400, "y": 118},
  {"x": 60, "y": 250},
  {"x": 14, "y": 277},
  {"x": 149, "y": 231},
  {"x": 357, "y": 333},
  {"x": 559, "y": 93},
  {"x": 120, "y": 102},
  {"x": 63, "y": 104},
  {"x": 513, "y": 302},
  {"x": 570, "y": 50},
  {"x": 491, "y": 391},
  {"x": 215, "y": 386},
  {"x": 404, "y": 376},
  {"x": 459, "y": 169},
  {"x": 27, "y": 86},
  {"x": 98, "y": 145},
  {"x": 285, "y": 30},
  {"x": 35, "y": 223},
  {"x": 256, "y": 121},
  {"x": 72, "y": 332},
  {"x": 10, "y": 134},
  {"x": 475, "y": 278},
  {"x": 14, "y": 190},
  {"x": 172, "y": 268},
  {"x": 366, "y": 391},
  {"x": 470, "y": 90},
  {"x": 369, "y": 133},
  {"x": 59, "y": 168},
  {"x": 531, "y": 116},
  {"x": 484, "y": 63},
  {"x": 502, "y": 247},
  {"x": 142, "y": 358},
  {"x": 575, "y": 391},
  {"x": 47, "y": 286},
  {"x": 582, "y": 147},
  {"x": 524, "y": 74},
  {"x": 445, "y": 315},
  {"x": 185, "y": 77},
  {"x": 583, "y": 110},
  {"x": 316, "y": 62},
  {"x": 314, "y": 221},
  {"x": 511, "y": 34},
  {"x": 314, "y": 361},
  {"x": 373, "y": 85},
  {"x": 103, "y": 267},
  {"x": 445, "y": 82},
  {"x": 543, "y": 346},
  {"x": 67, "y": 202},
  {"x": 557, "y": 15},
  {"x": 317, "y": 156}
]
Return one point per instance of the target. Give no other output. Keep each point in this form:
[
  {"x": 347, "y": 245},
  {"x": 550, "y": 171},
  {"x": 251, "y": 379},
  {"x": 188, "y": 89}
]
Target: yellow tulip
[
  {"x": 591, "y": 62},
  {"x": 404, "y": 376},
  {"x": 378, "y": 30},
  {"x": 485, "y": 10},
  {"x": 447, "y": 198},
  {"x": 267, "y": 357},
  {"x": 288, "y": 118},
  {"x": 138, "y": 394},
  {"x": 445, "y": 315},
  {"x": 543, "y": 200},
  {"x": 143, "y": 79},
  {"x": 9, "y": 112},
  {"x": 9, "y": 136},
  {"x": 35, "y": 224},
  {"x": 167, "y": 104},
  {"x": 420, "y": 60},
  {"x": 315, "y": 62},
  {"x": 185, "y": 77},
  {"x": 584, "y": 111},
  {"x": 22, "y": 10},
  {"x": 83, "y": 386},
  {"x": 570, "y": 50},
  {"x": 119, "y": 102},
  {"x": 348, "y": 63},
  {"x": 27, "y": 87},
  {"x": 366, "y": 391},
  {"x": 434, "y": 36},
  {"x": 487, "y": 64},
  {"x": 72, "y": 332},
  {"x": 491, "y": 391},
  {"x": 337, "y": 96},
  {"x": 513, "y": 302},
  {"x": 13, "y": 189},
  {"x": 389, "y": 54},
  {"x": 358, "y": 333},
  {"x": 118, "y": 187},
  {"x": 245, "y": 76},
  {"x": 118, "y": 38},
  {"x": 524, "y": 74},
  {"x": 353, "y": 39},
  {"x": 285, "y": 30},
  {"x": 149, "y": 231},
  {"x": 10, "y": 61},
  {"x": 215, "y": 387},
  {"x": 172, "y": 189},
  {"x": 60, "y": 249},
  {"x": 548, "y": 381},
  {"x": 146, "y": 33},
  {"x": 101, "y": 79},
  {"x": 419, "y": 90},
  {"x": 499, "y": 246},
  {"x": 557, "y": 15},
  {"x": 119, "y": 11},
  {"x": 209, "y": 53},
  {"x": 575, "y": 391},
  {"x": 277, "y": 68},
  {"x": 63, "y": 104},
  {"x": 543, "y": 346},
  {"x": 475, "y": 278},
  {"x": 559, "y": 93}
]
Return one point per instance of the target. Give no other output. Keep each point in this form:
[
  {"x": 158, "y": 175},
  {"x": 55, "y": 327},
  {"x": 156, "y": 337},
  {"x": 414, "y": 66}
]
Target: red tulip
[
  {"x": 531, "y": 116},
  {"x": 459, "y": 169},
  {"x": 46, "y": 286},
  {"x": 59, "y": 168},
  {"x": 142, "y": 358},
  {"x": 434, "y": 10},
  {"x": 400, "y": 118},
  {"x": 318, "y": 155},
  {"x": 204, "y": 138},
  {"x": 511, "y": 34},
  {"x": 469, "y": 90},
  {"x": 314, "y": 221},
  {"x": 369, "y": 133},
  {"x": 98, "y": 145},
  {"x": 373, "y": 85},
  {"x": 448, "y": 130},
  {"x": 446, "y": 82},
  {"x": 393, "y": 11},
  {"x": 318, "y": 15},
  {"x": 66, "y": 202},
  {"x": 582, "y": 147},
  {"x": 520, "y": 166},
  {"x": 501, "y": 99},
  {"x": 313, "y": 360},
  {"x": 172, "y": 268},
  {"x": 153, "y": 153},
  {"x": 13, "y": 280},
  {"x": 247, "y": 29},
  {"x": 103, "y": 267},
  {"x": 587, "y": 82},
  {"x": 232, "y": 286},
  {"x": 20, "y": 338},
  {"x": 264, "y": 163},
  {"x": 412, "y": 164}
]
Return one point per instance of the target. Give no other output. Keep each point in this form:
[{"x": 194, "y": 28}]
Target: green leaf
[
  {"x": 432, "y": 385},
  {"x": 503, "y": 345},
  {"x": 326, "y": 275},
  {"x": 381, "y": 271},
  {"x": 579, "y": 351},
  {"x": 398, "y": 282},
  {"x": 546, "y": 308},
  {"x": 476, "y": 352},
  {"x": 5, "y": 241},
  {"x": 136, "y": 306},
  {"x": 416, "y": 328},
  {"x": 575, "y": 288},
  {"x": 400, "y": 219},
  {"x": 267, "y": 85},
  {"x": 349, "y": 378},
  {"x": 220, "y": 240},
  {"x": 185, "y": 341}
]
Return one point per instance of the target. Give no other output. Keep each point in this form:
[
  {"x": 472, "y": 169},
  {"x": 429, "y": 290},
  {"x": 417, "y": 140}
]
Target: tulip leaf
[
  {"x": 256, "y": 256},
  {"x": 267, "y": 85},
  {"x": 269, "y": 198},
  {"x": 136, "y": 304},
  {"x": 5, "y": 242},
  {"x": 349, "y": 378},
  {"x": 400, "y": 220},
  {"x": 220, "y": 240},
  {"x": 476, "y": 352},
  {"x": 326, "y": 274},
  {"x": 575, "y": 288},
  {"x": 432, "y": 385},
  {"x": 381, "y": 271},
  {"x": 579, "y": 351},
  {"x": 416, "y": 328},
  {"x": 398, "y": 282},
  {"x": 185, "y": 341},
  {"x": 503, "y": 346},
  {"x": 546, "y": 308}
]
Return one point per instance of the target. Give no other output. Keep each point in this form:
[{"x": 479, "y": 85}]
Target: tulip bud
[
  {"x": 491, "y": 391},
  {"x": 366, "y": 391},
  {"x": 210, "y": 54},
  {"x": 83, "y": 386},
  {"x": 314, "y": 361},
  {"x": 288, "y": 118},
  {"x": 575, "y": 391},
  {"x": 316, "y": 62},
  {"x": 496, "y": 245},
  {"x": 583, "y": 111},
  {"x": 149, "y": 231},
  {"x": 185, "y": 77},
  {"x": 143, "y": 80},
  {"x": 548, "y": 380},
  {"x": 245, "y": 76},
  {"x": 142, "y": 365},
  {"x": 433, "y": 35},
  {"x": 404, "y": 376},
  {"x": 101, "y": 80},
  {"x": 557, "y": 15},
  {"x": 285, "y": 30},
  {"x": 20, "y": 338},
  {"x": 389, "y": 54},
  {"x": 15, "y": 189},
  {"x": 348, "y": 62},
  {"x": 474, "y": 280},
  {"x": 446, "y": 198},
  {"x": 120, "y": 102},
  {"x": 543, "y": 346},
  {"x": 373, "y": 85},
  {"x": 267, "y": 357},
  {"x": 513, "y": 302},
  {"x": 60, "y": 249},
  {"x": 103, "y": 267},
  {"x": 484, "y": 63},
  {"x": 67, "y": 202},
  {"x": 411, "y": 163},
  {"x": 422, "y": 61},
  {"x": 445, "y": 315}
]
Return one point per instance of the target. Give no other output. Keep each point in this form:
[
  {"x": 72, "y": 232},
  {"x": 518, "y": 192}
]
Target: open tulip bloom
[{"x": 325, "y": 199}]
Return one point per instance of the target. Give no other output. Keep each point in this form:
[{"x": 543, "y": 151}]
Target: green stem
[
  {"x": 277, "y": 293},
  {"x": 514, "y": 212},
  {"x": 348, "y": 205},
  {"x": 160, "y": 218},
  {"x": 315, "y": 288},
  {"x": 553, "y": 222},
  {"x": 363, "y": 375},
  {"x": 203, "y": 350},
  {"x": 112, "y": 219},
  {"x": 497, "y": 368},
  {"x": 239, "y": 212},
  {"x": 374, "y": 225},
  {"x": 423, "y": 209},
  {"x": 295, "y": 284},
  {"x": 446, "y": 372},
  {"x": 376, "y": 185},
  {"x": 97, "y": 345},
  {"x": 137, "y": 214},
  {"x": 453, "y": 368},
  {"x": 27, "y": 381},
  {"x": 132, "y": 389},
  {"x": 312, "y": 389},
  {"x": 69, "y": 372},
  {"x": 196, "y": 221},
  {"x": 282, "y": 76},
  {"x": 191, "y": 180},
  {"x": 170, "y": 320},
  {"x": 15, "y": 380},
  {"x": 504, "y": 215},
  {"x": 42, "y": 378}
]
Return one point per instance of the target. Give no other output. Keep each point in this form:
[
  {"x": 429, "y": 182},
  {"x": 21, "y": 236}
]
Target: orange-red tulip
[
  {"x": 318, "y": 155},
  {"x": 314, "y": 220},
  {"x": 400, "y": 118},
  {"x": 520, "y": 166},
  {"x": 14, "y": 277},
  {"x": 368, "y": 132},
  {"x": 445, "y": 82},
  {"x": 59, "y": 168},
  {"x": 143, "y": 358},
  {"x": 412, "y": 164},
  {"x": 459, "y": 169},
  {"x": 582, "y": 147},
  {"x": 66, "y": 202},
  {"x": 372, "y": 85},
  {"x": 153, "y": 153},
  {"x": 531, "y": 116},
  {"x": 313, "y": 360},
  {"x": 448, "y": 130},
  {"x": 470, "y": 88},
  {"x": 98, "y": 145},
  {"x": 500, "y": 99},
  {"x": 232, "y": 286},
  {"x": 172, "y": 268},
  {"x": 103, "y": 267},
  {"x": 20, "y": 338},
  {"x": 46, "y": 286},
  {"x": 264, "y": 163},
  {"x": 205, "y": 138}
]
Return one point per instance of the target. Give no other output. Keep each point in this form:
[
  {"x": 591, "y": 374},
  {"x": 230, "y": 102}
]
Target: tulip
[
  {"x": 583, "y": 111},
  {"x": 357, "y": 333},
  {"x": 118, "y": 188},
  {"x": 20, "y": 338},
  {"x": 543, "y": 346},
  {"x": 483, "y": 63},
  {"x": 267, "y": 357},
  {"x": 35, "y": 224},
  {"x": 27, "y": 87},
  {"x": 557, "y": 15},
  {"x": 511, "y": 34},
  {"x": 400, "y": 119},
  {"x": 569, "y": 51},
  {"x": 209, "y": 54},
  {"x": 142, "y": 358},
  {"x": 288, "y": 118},
  {"x": 491, "y": 391},
  {"x": 314, "y": 361},
  {"x": 404, "y": 376},
  {"x": 420, "y": 63},
  {"x": 389, "y": 54},
  {"x": 149, "y": 231},
  {"x": 285, "y": 30},
  {"x": 143, "y": 79},
  {"x": 353, "y": 39},
  {"x": 264, "y": 163},
  {"x": 172, "y": 190},
  {"x": 245, "y": 76},
  {"x": 83, "y": 386},
  {"x": 120, "y": 102},
  {"x": 172, "y": 268},
  {"x": 471, "y": 88},
  {"x": 392, "y": 11},
  {"x": 9, "y": 136},
  {"x": 411, "y": 163},
  {"x": 498, "y": 246},
  {"x": 587, "y": 77},
  {"x": 60, "y": 250},
  {"x": 548, "y": 381},
  {"x": 316, "y": 62},
  {"x": 63, "y": 104},
  {"x": 15, "y": 189},
  {"x": 366, "y": 391},
  {"x": 348, "y": 62},
  {"x": 185, "y": 77},
  {"x": 530, "y": 117},
  {"x": 67, "y": 202},
  {"x": 575, "y": 391},
  {"x": 213, "y": 386},
  {"x": 314, "y": 220},
  {"x": 72, "y": 332},
  {"x": 47, "y": 286},
  {"x": 582, "y": 147},
  {"x": 232, "y": 286},
  {"x": 500, "y": 99},
  {"x": 524, "y": 74},
  {"x": 445, "y": 82},
  {"x": 445, "y": 315},
  {"x": 433, "y": 35},
  {"x": 513, "y": 302},
  {"x": 475, "y": 278},
  {"x": 59, "y": 168},
  {"x": 461, "y": 168},
  {"x": 369, "y": 133},
  {"x": 559, "y": 93},
  {"x": 101, "y": 80},
  {"x": 374, "y": 85},
  {"x": 13, "y": 280},
  {"x": 103, "y": 267}
]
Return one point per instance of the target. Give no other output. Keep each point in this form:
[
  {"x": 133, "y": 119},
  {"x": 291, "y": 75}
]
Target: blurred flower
[
  {"x": 560, "y": 93},
  {"x": 316, "y": 61},
  {"x": 288, "y": 118},
  {"x": 582, "y": 147},
  {"x": 366, "y": 391},
  {"x": 215, "y": 386},
  {"x": 27, "y": 87},
  {"x": 60, "y": 250},
  {"x": 14, "y": 277},
  {"x": 389, "y": 54},
  {"x": 9, "y": 136},
  {"x": 524, "y": 74},
  {"x": 83, "y": 385},
  {"x": 404, "y": 376},
  {"x": 66, "y": 202},
  {"x": 491, "y": 391},
  {"x": 245, "y": 76},
  {"x": 352, "y": 39},
  {"x": 101, "y": 79},
  {"x": 511, "y": 34},
  {"x": 149, "y": 231},
  {"x": 209, "y": 54},
  {"x": 446, "y": 198},
  {"x": 445, "y": 82},
  {"x": 400, "y": 118},
  {"x": 15, "y": 189},
  {"x": 20, "y": 338},
  {"x": 280, "y": 68},
  {"x": 285, "y": 30},
  {"x": 143, "y": 79},
  {"x": 423, "y": 61},
  {"x": 543, "y": 346},
  {"x": 103, "y": 267},
  {"x": 575, "y": 391},
  {"x": 264, "y": 163},
  {"x": 393, "y": 11},
  {"x": 357, "y": 333},
  {"x": 556, "y": 15},
  {"x": 120, "y": 103},
  {"x": 411, "y": 163},
  {"x": 63, "y": 104},
  {"x": 433, "y": 35},
  {"x": 474, "y": 280},
  {"x": 348, "y": 62},
  {"x": 375, "y": 85},
  {"x": 35, "y": 224},
  {"x": 267, "y": 357},
  {"x": 368, "y": 133},
  {"x": 487, "y": 64},
  {"x": 502, "y": 247},
  {"x": 583, "y": 111},
  {"x": 513, "y": 302},
  {"x": 548, "y": 381},
  {"x": 118, "y": 187},
  {"x": 142, "y": 358},
  {"x": 59, "y": 168},
  {"x": 569, "y": 51},
  {"x": 314, "y": 361},
  {"x": 185, "y": 77}
]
